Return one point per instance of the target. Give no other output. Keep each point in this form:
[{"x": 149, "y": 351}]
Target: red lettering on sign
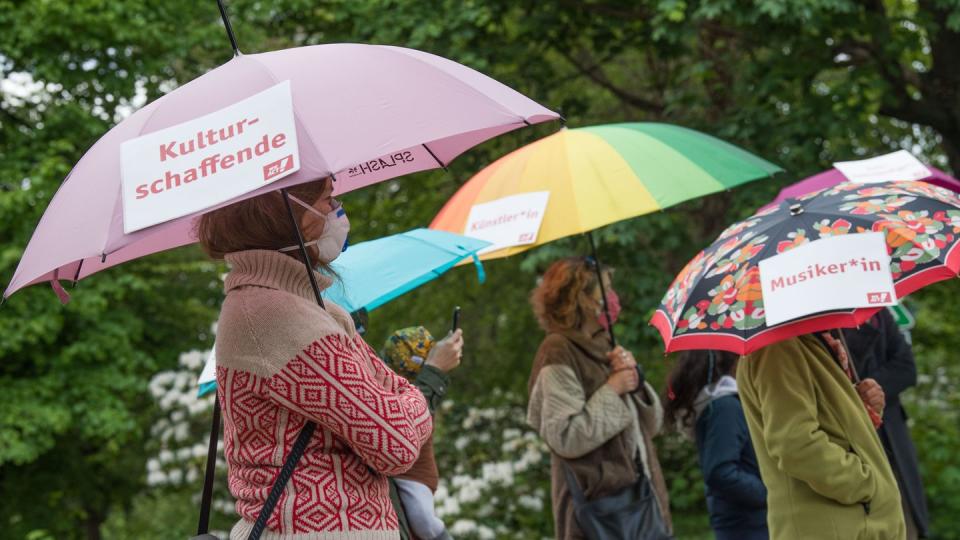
[
  {"x": 210, "y": 137},
  {"x": 817, "y": 270},
  {"x": 212, "y": 164}
]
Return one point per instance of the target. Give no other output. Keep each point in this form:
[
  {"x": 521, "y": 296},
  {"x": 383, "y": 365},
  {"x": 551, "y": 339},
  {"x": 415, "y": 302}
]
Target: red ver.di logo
[
  {"x": 878, "y": 298},
  {"x": 280, "y": 166}
]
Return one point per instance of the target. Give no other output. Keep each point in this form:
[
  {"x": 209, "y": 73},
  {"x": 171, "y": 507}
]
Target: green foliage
[
  {"x": 73, "y": 413},
  {"x": 802, "y": 83},
  {"x": 933, "y": 406}
]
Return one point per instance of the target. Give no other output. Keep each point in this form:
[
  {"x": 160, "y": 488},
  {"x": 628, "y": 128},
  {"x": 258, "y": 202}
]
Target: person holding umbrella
[
  {"x": 812, "y": 424},
  {"x": 815, "y": 437},
  {"x": 591, "y": 407},
  {"x": 284, "y": 363}
]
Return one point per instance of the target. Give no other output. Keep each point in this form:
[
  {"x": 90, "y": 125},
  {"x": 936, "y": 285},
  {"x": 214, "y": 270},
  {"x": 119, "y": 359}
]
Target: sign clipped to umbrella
[
  {"x": 209, "y": 160},
  {"x": 836, "y": 272},
  {"x": 720, "y": 299},
  {"x": 510, "y": 221},
  {"x": 895, "y": 167}
]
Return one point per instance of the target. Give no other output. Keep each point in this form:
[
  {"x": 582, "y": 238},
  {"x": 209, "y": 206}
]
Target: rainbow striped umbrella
[{"x": 603, "y": 174}]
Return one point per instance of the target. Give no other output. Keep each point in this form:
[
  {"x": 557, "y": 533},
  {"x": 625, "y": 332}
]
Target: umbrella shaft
[
  {"x": 603, "y": 289},
  {"x": 853, "y": 367},
  {"x": 303, "y": 248},
  {"x": 229, "y": 27}
]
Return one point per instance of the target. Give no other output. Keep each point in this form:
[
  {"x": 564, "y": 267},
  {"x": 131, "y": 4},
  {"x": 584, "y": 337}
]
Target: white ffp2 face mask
[{"x": 333, "y": 240}]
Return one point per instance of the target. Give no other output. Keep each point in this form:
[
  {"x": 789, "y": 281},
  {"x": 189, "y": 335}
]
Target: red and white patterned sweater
[{"x": 281, "y": 360}]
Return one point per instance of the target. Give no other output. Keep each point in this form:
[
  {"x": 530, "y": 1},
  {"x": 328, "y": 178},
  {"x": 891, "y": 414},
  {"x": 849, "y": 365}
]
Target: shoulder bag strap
[
  {"x": 573, "y": 485},
  {"x": 281, "y": 482}
]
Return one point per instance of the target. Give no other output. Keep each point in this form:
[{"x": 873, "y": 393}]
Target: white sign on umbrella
[
  {"x": 510, "y": 221},
  {"x": 899, "y": 165},
  {"x": 849, "y": 271},
  {"x": 197, "y": 164}
]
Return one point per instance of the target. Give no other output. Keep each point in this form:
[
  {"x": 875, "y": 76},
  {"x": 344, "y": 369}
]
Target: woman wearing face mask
[
  {"x": 282, "y": 361},
  {"x": 586, "y": 400}
]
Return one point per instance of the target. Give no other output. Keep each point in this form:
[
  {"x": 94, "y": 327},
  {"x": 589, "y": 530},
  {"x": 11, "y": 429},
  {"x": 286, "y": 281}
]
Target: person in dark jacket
[
  {"x": 702, "y": 403},
  {"x": 882, "y": 353}
]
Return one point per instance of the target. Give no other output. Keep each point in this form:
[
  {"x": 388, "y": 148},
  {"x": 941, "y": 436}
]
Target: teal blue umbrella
[{"x": 375, "y": 272}]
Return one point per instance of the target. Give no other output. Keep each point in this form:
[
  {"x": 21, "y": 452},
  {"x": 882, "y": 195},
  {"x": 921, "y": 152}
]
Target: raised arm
[{"x": 572, "y": 423}]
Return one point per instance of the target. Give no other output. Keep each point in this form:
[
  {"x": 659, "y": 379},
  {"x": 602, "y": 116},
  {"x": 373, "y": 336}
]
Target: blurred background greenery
[{"x": 98, "y": 424}]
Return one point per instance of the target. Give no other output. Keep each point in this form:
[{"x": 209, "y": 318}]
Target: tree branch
[
  {"x": 595, "y": 73},
  {"x": 639, "y": 12},
  {"x": 927, "y": 109}
]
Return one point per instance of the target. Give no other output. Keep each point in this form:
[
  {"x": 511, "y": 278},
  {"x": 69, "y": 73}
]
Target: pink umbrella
[
  {"x": 832, "y": 177},
  {"x": 356, "y": 109}
]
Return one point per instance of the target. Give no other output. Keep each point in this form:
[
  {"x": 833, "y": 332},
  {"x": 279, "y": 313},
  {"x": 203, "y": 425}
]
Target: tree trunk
[
  {"x": 92, "y": 523},
  {"x": 951, "y": 147},
  {"x": 940, "y": 86}
]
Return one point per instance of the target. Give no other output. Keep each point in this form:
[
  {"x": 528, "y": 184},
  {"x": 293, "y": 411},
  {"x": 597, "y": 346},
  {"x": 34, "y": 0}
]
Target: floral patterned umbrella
[{"x": 716, "y": 301}]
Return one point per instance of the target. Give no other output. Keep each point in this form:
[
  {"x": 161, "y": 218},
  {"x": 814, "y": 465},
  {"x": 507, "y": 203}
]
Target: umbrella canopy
[
  {"x": 375, "y": 272},
  {"x": 208, "y": 377},
  {"x": 832, "y": 177},
  {"x": 717, "y": 302},
  {"x": 364, "y": 113},
  {"x": 603, "y": 174}
]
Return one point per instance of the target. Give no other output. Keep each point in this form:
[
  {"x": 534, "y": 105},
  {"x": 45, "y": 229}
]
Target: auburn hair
[
  {"x": 260, "y": 222},
  {"x": 559, "y": 296}
]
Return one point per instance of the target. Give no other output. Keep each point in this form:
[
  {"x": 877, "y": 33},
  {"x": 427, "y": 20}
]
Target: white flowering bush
[
  {"x": 494, "y": 470},
  {"x": 181, "y": 437}
]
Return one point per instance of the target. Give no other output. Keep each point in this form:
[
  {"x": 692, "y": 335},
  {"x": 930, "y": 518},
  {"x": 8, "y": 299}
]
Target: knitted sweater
[{"x": 282, "y": 360}]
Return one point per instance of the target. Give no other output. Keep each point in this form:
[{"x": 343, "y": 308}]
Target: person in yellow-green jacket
[{"x": 826, "y": 473}]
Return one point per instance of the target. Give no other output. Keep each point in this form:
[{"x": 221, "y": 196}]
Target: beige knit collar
[{"x": 273, "y": 270}]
